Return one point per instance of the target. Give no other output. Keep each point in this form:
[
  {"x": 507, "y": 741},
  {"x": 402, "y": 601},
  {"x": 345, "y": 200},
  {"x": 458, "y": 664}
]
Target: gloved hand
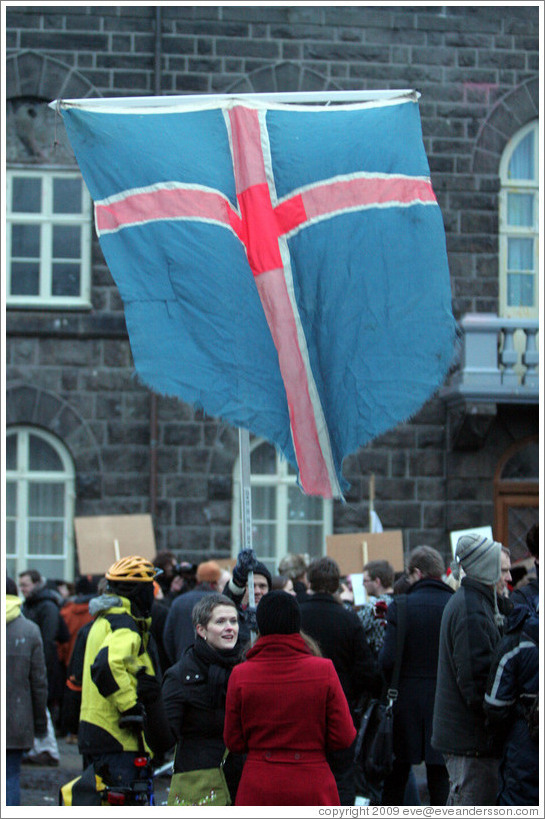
[
  {"x": 133, "y": 718},
  {"x": 246, "y": 562},
  {"x": 251, "y": 620},
  {"x": 148, "y": 687}
]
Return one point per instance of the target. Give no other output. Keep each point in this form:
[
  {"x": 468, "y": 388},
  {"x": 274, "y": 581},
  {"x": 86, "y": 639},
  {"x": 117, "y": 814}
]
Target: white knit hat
[{"x": 480, "y": 558}]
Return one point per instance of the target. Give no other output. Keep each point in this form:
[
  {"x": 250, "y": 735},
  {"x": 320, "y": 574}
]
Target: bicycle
[
  {"x": 140, "y": 791},
  {"x": 91, "y": 789}
]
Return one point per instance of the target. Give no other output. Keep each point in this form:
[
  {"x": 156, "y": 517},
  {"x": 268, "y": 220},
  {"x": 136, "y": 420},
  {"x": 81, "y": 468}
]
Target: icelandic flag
[{"x": 282, "y": 266}]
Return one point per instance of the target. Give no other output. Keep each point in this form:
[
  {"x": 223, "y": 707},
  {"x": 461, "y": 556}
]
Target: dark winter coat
[
  {"x": 528, "y": 595},
  {"x": 413, "y": 710},
  {"x": 286, "y": 708},
  {"x": 341, "y": 638},
  {"x": 512, "y": 687},
  {"x": 194, "y": 692},
  {"x": 469, "y": 635},
  {"x": 42, "y": 607},
  {"x": 26, "y": 681}
]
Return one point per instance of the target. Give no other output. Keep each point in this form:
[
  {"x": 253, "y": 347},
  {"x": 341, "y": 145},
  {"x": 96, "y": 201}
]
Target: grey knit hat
[{"x": 480, "y": 558}]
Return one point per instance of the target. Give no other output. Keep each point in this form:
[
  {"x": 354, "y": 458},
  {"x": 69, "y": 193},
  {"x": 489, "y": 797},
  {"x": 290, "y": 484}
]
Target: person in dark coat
[
  {"x": 528, "y": 595},
  {"x": 237, "y": 589},
  {"x": 285, "y": 708},
  {"x": 470, "y": 631},
  {"x": 339, "y": 632},
  {"x": 413, "y": 711},
  {"x": 178, "y": 632},
  {"x": 42, "y": 606},
  {"x": 511, "y": 694},
  {"x": 194, "y": 691},
  {"x": 26, "y": 690},
  {"x": 340, "y": 636}
]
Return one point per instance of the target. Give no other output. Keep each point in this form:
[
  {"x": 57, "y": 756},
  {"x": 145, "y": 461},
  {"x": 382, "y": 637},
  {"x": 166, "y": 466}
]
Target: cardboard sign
[
  {"x": 101, "y": 541},
  {"x": 354, "y": 550}
]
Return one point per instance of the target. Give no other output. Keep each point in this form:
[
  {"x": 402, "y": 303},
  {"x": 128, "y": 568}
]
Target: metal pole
[{"x": 246, "y": 508}]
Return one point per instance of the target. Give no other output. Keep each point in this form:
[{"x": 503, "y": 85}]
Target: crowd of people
[{"x": 269, "y": 676}]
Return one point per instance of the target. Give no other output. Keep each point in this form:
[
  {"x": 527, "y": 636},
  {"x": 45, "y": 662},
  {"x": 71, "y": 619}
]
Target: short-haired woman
[
  {"x": 285, "y": 708},
  {"x": 194, "y": 690}
]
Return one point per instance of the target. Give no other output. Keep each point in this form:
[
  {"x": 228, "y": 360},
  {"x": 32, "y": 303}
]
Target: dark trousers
[
  {"x": 13, "y": 776},
  {"x": 394, "y": 787}
]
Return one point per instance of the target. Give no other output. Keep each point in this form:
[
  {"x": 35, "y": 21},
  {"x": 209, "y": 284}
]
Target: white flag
[{"x": 374, "y": 521}]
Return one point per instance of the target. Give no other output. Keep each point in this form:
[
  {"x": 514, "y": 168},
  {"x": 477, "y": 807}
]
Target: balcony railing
[{"x": 498, "y": 362}]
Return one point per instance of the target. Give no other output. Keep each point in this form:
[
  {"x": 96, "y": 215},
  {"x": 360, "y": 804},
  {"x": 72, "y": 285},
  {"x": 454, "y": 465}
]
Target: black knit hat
[
  {"x": 262, "y": 569},
  {"x": 278, "y": 613}
]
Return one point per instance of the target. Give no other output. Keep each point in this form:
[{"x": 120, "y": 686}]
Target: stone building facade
[{"x": 69, "y": 369}]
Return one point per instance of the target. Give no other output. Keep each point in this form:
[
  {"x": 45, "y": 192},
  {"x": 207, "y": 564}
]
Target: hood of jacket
[
  {"x": 104, "y": 602},
  {"x": 521, "y": 618},
  {"x": 40, "y": 593},
  {"x": 115, "y": 604},
  {"x": 13, "y": 607}
]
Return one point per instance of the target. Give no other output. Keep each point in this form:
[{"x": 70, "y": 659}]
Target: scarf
[{"x": 217, "y": 665}]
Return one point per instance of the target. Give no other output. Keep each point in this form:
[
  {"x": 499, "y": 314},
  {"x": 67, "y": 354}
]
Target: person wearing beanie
[
  {"x": 237, "y": 589},
  {"x": 178, "y": 631},
  {"x": 285, "y": 707},
  {"x": 470, "y": 632},
  {"x": 528, "y": 595}
]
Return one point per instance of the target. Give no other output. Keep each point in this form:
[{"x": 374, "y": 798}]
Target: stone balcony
[{"x": 498, "y": 363}]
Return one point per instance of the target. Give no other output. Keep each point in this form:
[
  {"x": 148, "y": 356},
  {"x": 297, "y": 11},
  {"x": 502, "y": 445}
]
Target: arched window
[
  {"x": 39, "y": 504},
  {"x": 284, "y": 519},
  {"x": 519, "y": 218}
]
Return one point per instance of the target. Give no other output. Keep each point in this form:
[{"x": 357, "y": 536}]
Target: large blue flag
[{"x": 282, "y": 266}]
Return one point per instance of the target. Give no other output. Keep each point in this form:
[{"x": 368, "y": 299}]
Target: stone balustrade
[{"x": 498, "y": 361}]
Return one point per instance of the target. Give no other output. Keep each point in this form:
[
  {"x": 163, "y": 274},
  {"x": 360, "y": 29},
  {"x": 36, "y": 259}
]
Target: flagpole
[
  {"x": 246, "y": 507},
  {"x": 371, "y": 500}
]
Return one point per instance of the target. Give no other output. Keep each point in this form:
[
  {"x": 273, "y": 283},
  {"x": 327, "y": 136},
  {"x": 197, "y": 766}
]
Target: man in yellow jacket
[{"x": 118, "y": 649}]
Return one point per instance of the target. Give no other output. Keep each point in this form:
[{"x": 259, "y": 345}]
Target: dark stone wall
[{"x": 477, "y": 71}]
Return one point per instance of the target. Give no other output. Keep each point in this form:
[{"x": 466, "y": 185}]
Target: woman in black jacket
[{"x": 194, "y": 690}]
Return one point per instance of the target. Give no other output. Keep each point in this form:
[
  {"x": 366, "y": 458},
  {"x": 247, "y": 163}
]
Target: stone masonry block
[
  {"x": 183, "y": 434},
  {"x": 178, "y": 487},
  {"x": 21, "y": 405},
  {"x": 128, "y": 433},
  {"x": 77, "y": 41},
  {"x": 47, "y": 409}
]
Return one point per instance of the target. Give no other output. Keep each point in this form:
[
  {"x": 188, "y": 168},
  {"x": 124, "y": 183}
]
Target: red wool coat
[{"x": 285, "y": 708}]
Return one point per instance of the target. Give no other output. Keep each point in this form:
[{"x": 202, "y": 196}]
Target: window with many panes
[
  {"x": 39, "y": 504},
  {"x": 519, "y": 219},
  {"x": 48, "y": 235},
  {"x": 284, "y": 519}
]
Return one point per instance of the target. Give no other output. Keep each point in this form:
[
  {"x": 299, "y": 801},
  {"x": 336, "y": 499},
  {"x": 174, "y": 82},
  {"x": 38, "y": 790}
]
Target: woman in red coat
[{"x": 285, "y": 708}]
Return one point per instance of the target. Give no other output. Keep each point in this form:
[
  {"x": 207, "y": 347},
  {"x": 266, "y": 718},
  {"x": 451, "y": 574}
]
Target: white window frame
[
  {"x": 281, "y": 480},
  {"x": 23, "y": 476},
  {"x": 46, "y": 219},
  {"x": 507, "y": 231}
]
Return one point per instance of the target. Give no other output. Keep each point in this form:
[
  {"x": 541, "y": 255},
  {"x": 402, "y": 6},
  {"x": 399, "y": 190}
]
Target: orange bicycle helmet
[{"x": 133, "y": 569}]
